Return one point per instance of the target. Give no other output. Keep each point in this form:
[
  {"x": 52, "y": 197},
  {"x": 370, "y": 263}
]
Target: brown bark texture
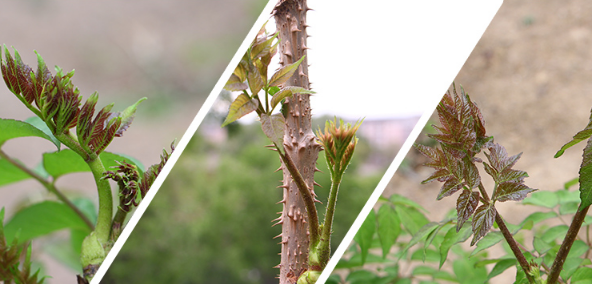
[{"x": 299, "y": 140}]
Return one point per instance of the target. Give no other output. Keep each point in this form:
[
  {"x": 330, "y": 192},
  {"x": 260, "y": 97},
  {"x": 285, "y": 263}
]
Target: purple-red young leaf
[
  {"x": 451, "y": 186},
  {"x": 465, "y": 206},
  {"x": 471, "y": 174},
  {"x": 482, "y": 221},
  {"x": 511, "y": 191},
  {"x": 439, "y": 175}
]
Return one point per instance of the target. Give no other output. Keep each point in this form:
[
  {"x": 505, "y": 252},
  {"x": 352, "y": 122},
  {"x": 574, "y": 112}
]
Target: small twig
[
  {"x": 50, "y": 187},
  {"x": 513, "y": 246},
  {"x": 570, "y": 237}
]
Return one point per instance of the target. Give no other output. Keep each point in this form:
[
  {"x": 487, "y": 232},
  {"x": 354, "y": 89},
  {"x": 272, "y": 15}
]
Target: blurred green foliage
[{"x": 211, "y": 220}]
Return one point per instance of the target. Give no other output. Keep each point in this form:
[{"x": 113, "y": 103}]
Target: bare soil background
[
  {"x": 172, "y": 52},
  {"x": 530, "y": 75}
]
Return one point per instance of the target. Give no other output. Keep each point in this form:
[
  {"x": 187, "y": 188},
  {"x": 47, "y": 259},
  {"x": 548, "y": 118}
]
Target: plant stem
[
  {"x": 570, "y": 237},
  {"x": 325, "y": 242},
  {"x": 513, "y": 246},
  {"x": 103, "y": 226},
  {"x": 509, "y": 238},
  {"x": 311, "y": 210},
  {"x": 117, "y": 224},
  {"x": 50, "y": 187}
]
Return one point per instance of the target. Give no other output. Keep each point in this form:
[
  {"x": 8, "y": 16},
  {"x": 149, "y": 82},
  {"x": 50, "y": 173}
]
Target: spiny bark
[{"x": 299, "y": 140}]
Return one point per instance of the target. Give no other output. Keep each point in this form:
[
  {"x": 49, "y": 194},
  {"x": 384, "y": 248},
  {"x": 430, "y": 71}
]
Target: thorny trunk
[{"x": 299, "y": 140}]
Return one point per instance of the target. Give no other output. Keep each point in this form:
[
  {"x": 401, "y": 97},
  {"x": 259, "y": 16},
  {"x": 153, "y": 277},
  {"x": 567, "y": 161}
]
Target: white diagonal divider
[
  {"x": 417, "y": 30},
  {"x": 265, "y": 15}
]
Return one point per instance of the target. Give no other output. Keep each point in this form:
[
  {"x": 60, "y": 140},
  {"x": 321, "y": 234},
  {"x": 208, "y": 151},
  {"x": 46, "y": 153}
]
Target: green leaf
[
  {"x": 570, "y": 266},
  {"x": 273, "y": 127},
  {"x": 541, "y": 246},
  {"x": 87, "y": 207},
  {"x": 578, "y": 249},
  {"x": 547, "y": 199},
  {"x": 241, "y": 106},
  {"x": 580, "y": 136},
  {"x": 500, "y": 267},
  {"x": 127, "y": 116},
  {"x": 582, "y": 275},
  {"x": 411, "y": 218},
  {"x": 389, "y": 228},
  {"x": 421, "y": 234},
  {"x": 64, "y": 162},
  {"x": 567, "y": 196},
  {"x": 63, "y": 252},
  {"x": 10, "y": 128},
  {"x": 361, "y": 276},
  {"x": 282, "y": 75},
  {"x": 538, "y": 217},
  {"x": 466, "y": 272},
  {"x": 423, "y": 270},
  {"x": 11, "y": 173},
  {"x": 451, "y": 238},
  {"x": 68, "y": 161},
  {"x": 553, "y": 233},
  {"x": 398, "y": 199},
  {"x": 586, "y": 176},
  {"x": 41, "y": 125},
  {"x": 287, "y": 92},
  {"x": 365, "y": 234},
  {"x": 488, "y": 241},
  {"x": 569, "y": 208},
  {"x": 41, "y": 219},
  {"x": 571, "y": 183},
  {"x": 333, "y": 279}
]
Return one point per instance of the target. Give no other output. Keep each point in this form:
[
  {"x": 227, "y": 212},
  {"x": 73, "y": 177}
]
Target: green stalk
[
  {"x": 324, "y": 246},
  {"x": 509, "y": 238},
  {"x": 117, "y": 224},
  {"x": 103, "y": 226}
]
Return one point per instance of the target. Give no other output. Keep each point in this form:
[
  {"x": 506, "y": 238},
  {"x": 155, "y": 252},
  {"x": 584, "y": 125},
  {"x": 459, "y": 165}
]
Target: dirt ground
[
  {"x": 530, "y": 75},
  {"x": 172, "y": 52}
]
